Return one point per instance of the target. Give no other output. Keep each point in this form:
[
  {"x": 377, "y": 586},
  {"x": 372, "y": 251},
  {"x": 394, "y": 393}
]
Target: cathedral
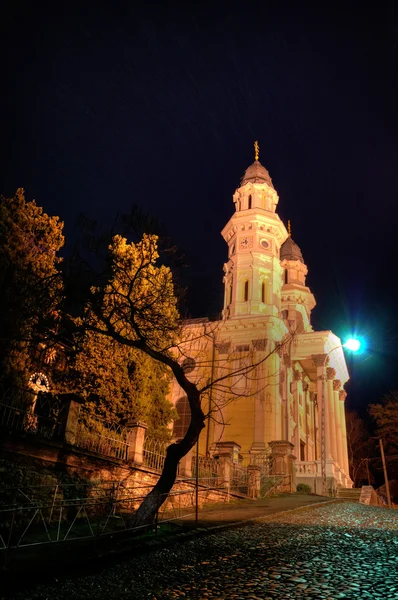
[{"x": 266, "y": 375}]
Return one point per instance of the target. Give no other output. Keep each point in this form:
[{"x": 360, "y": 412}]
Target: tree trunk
[{"x": 146, "y": 512}]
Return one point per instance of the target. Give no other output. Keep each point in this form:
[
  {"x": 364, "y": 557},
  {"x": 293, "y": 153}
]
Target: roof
[
  {"x": 290, "y": 251},
  {"x": 256, "y": 173}
]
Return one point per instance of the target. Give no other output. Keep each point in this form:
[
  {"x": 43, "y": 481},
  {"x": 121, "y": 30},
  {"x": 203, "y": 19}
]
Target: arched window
[
  {"x": 230, "y": 294},
  {"x": 286, "y": 276},
  {"x": 184, "y": 418},
  {"x": 250, "y": 201},
  {"x": 246, "y": 291},
  {"x": 263, "y": 292}
]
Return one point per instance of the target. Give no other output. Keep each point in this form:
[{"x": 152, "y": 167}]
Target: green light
[{"x": 352, "y": 344}]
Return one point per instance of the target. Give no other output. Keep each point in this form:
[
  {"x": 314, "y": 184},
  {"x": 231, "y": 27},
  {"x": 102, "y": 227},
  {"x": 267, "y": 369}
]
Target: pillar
[
  {"x": 296, "y": 410},
  {"x": 254, "y": 481},
  {"x": 342, "y": 397},
  {"x": 70, "y": 418},
  {"x": 339, "y": 432},
  {"x": 331, "y": 417},
  {"x": 283, "y": 461},
  {"x": 135, "y": 439},
  {"x": 185, "y": 465}
]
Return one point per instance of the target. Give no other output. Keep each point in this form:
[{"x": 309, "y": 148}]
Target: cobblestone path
[{"x": 336, "y": 551}]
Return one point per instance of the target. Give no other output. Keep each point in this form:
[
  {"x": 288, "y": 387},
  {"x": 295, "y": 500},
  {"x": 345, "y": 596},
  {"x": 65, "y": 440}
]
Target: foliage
[
  {"x": 119, "y": 384},
  {"x": 360, "y": 447},
  {"x": 385, "y": 415},
  {"x": 138, "y": 302},
  {"x": 303, "y": 488},
  {"x": 31, "y": 288}
]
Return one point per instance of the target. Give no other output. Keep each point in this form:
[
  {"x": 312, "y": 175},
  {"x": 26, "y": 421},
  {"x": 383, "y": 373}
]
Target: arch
[
  {"x": 249, "y": 202},
  {"x": 181, "y": 425}
]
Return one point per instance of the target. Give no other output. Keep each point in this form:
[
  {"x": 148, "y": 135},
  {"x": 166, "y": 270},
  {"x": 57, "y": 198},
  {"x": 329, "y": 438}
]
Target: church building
[{"x": 267, "y": 375}]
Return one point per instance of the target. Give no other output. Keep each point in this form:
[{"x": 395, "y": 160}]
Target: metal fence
[
  {"x": 37, "y": 515},
  {"x": 24, "y": 414},
  {"x": 206, "y": 469},
  {"x": 107, "y": 439},
  {"x": 239, "y": 481},
  {"x": 154, "y": 453}
]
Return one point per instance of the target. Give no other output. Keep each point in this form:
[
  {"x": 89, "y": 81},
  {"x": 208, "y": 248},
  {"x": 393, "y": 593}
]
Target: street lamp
[{"x": 354, "y": 345}]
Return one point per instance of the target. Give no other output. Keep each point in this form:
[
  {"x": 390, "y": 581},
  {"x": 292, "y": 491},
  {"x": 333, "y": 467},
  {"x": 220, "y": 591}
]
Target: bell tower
[
  {"x": 297, "y": 299},
  {"x": 254, "y": 235}
]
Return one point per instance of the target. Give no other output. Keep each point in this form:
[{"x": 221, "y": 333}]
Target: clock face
[{"x": 246, "y": 242}]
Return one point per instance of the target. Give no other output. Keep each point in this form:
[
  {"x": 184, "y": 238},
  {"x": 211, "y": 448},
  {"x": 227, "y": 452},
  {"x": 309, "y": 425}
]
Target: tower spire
[
  {"x": 289, "y": 229},
  {"x": 256, "y": 150}
]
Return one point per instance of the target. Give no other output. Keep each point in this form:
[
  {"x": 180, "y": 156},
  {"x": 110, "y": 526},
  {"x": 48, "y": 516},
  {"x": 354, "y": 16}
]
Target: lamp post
[{"x": 354, "y": 345}]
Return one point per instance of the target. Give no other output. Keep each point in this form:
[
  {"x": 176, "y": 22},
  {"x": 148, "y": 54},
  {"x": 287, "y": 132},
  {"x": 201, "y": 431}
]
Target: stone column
[
  {"x": 342, "y": 397},
  {"x": 296, "y": 410},
  {"x": 283, "y": 461},
  {"x": 339, "y": 432},
  {"x": 319, "y": 360},
  {"x": 135, "y": 439},
  {"x": 185, "y": 465},
  {"x": 331, "y": 417},
  {"x": 70, "y": 418},
  {"x": 254, "y": 481}
]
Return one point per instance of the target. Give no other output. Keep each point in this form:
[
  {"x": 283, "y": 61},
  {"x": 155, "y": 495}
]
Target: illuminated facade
[{"x": 268, "y": 384}]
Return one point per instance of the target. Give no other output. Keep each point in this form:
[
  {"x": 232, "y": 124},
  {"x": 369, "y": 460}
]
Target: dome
[
  {"x": 290, "y": 251},
  {"x": 256, "y": 173}
]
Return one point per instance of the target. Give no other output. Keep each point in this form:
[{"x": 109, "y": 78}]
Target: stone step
[{"x": 352, "y": 494}]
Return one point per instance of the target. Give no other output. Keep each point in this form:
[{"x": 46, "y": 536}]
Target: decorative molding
[
  {"x": 297, "y": 375},
  {"x": 342, "y": 395},
  {"x": 336, "y": 384},
  {"x": 306, "y": 386},
  {"x": 319, "y": 359},
  {"x": 286, "y": 360},
  {"x": 330, "y": 373}
]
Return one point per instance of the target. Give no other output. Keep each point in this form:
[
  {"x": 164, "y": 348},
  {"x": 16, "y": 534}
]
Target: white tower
[{"x": 254, "y": 234}]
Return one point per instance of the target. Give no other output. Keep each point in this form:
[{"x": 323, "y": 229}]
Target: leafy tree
[
  {"x": 385, "y": 415},
  {"x": 29, "y": 281},
  {"x": 134, "y": 304},
  {"x": 360, "y": 447},
  {"x": 119, "y": 384}
]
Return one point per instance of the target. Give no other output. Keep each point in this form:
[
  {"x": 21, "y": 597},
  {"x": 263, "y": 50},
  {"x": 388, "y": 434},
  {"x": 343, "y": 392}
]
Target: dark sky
[{"x": 159, "y": 105}]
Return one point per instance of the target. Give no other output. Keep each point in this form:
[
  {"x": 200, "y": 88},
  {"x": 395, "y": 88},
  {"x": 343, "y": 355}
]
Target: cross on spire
[{"x": 256, "y": 150}]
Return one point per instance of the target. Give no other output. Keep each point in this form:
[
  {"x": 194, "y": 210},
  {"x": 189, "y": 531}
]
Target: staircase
[{"x": 350, "y": 494}]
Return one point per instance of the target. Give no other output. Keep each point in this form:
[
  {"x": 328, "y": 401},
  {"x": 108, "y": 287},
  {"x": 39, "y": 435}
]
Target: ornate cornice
[
  {"x": 336, "y": 384},
  {"x": 330, "y": 373},
  {"x": 319, "y": 359}
]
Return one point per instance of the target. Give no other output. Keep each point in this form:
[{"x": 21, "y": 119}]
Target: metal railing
[
  {"x": 239, "y": 481},
  {"x": 208, "y": 469},
  {"x": 107, "y": 439},
  {"x": 47, "y": 514},
  {"x": 154, "y": 453},
  {"x": 22, "y": 419}
]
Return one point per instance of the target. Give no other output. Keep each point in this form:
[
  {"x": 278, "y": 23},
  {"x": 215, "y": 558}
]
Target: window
[
  {"x": 263, "y": 292},
  {"x": 250, "y": 201},
  {"x": 302, "y": 450},
  {"x": 230, "y": 294},
  {"x": 184, "y": 417},
  {"x": 246, "y": 291},
  {"x": 286, "y": 276}
]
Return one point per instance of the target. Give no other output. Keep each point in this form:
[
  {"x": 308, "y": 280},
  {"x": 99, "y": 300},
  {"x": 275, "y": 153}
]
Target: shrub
[{"x": 303, "y": 488}]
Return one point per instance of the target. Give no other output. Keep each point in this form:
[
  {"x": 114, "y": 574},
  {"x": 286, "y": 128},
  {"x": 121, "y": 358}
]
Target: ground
[{"x": 342, "y": 550}]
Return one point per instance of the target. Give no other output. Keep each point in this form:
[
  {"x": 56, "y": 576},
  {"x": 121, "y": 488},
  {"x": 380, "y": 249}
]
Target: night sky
[{"x": 109, "y": 105}]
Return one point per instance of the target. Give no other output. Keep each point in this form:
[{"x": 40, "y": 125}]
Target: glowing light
[{"x": 352, "y": 344}]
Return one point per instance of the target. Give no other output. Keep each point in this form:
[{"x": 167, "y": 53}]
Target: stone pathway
[{"x": 336, "y": 551}]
